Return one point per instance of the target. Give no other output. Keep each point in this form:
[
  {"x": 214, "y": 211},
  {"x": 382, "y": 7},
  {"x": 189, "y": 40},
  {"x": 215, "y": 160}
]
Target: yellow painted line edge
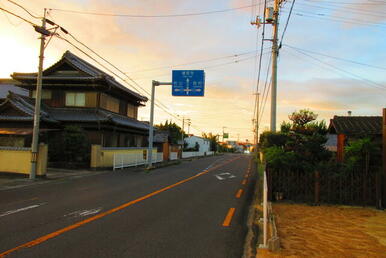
[
  {"x": 239, "y": 193},
  {"x": 228, "y": 218}
]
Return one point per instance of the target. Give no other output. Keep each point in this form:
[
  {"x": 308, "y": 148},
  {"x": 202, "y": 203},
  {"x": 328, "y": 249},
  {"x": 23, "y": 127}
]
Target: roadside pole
[
  {"x": 384, "y": 157},
  {"x": 265, "y": 211},
  {"x": 182, "y": 136},
  {"x": 274, "y": 65},
  {"x": 257, "y": 126},
  {"x": 188, "y": 83},
  {"x": 36, "y": 122},
  {"x": 151, "y": 128}
]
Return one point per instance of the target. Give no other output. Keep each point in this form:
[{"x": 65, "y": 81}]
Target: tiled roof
[
  {"x": 26, "y": 105},
  {"x": 91, "y": 70},
  {"x": 356, "y": 125},
  {"x": 7, "y": 85}
]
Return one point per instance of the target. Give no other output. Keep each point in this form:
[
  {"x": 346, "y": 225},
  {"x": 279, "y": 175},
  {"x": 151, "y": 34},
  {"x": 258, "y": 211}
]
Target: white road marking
[
  {"x": 83, "y": 213},
  {"x": 224, "y": 176},
  {"x": 21, "y": 209}
]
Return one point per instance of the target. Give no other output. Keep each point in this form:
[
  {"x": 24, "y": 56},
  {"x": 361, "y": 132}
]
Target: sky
[{"x": 331, "y": 60}]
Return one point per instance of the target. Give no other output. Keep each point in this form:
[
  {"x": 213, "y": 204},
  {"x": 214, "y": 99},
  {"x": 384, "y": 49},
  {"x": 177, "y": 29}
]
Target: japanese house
[
  {"x": 75, "y": 93},
  {"x": 342, "y": 129}
]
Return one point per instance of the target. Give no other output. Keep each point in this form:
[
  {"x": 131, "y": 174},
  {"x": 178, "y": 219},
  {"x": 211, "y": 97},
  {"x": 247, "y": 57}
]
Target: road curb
[
  {"x": 27, "y": 182},
  {"x": 253, "y": 229}
]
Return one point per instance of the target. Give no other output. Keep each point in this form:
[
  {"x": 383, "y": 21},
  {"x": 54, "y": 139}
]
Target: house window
[
  {"x": 109, "y": 103},
  {"x": 131, "y": 111},
  {"x": 75, "y": 99},
  {"x": 46, "y": 94}
]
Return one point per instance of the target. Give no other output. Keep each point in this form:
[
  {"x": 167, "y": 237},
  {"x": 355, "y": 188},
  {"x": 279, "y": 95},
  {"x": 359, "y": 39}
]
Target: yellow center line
[
  {"x": 239, "y": 193},
  {"x": 228, "y": 218},
  {"x": 103, "y": 214}
]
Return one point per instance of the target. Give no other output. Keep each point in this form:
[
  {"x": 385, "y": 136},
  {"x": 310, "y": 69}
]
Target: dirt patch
[{"x": 329, "y": 231}]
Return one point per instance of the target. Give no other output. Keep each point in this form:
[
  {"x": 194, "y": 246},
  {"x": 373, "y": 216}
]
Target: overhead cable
[
  {"x": 22, "y": 7},
  {"x": 367, "y": 81},
  {"x": 337, "y": 58},
  {"x": 153, "y": 16}
]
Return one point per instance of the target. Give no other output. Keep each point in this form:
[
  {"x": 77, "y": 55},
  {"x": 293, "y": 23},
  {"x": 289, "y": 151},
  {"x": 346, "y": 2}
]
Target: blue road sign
[{"x": 188, "y": 83}]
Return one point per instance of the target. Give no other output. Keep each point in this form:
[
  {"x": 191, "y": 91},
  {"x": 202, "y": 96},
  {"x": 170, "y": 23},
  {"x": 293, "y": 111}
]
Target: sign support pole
[{"x": 151, "y": 128}]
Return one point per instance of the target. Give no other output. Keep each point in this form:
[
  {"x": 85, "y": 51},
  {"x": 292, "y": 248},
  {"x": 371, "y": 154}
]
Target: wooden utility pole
[
  {"x": 384, "y": 156},
  {"x": 36, "y": 124},
  {"x": 275, "y": 52},
  {"x": 257, "y": 124}
]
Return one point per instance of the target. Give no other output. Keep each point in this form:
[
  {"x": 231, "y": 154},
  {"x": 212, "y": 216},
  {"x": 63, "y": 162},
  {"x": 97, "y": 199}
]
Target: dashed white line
[
  {"x": 83, "y": 213},
  {"x": 21, "y": 209}
]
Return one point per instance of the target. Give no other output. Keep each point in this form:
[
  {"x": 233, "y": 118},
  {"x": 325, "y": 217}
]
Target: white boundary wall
[
  {"x": 173, "y": 155},
  {"x": 123, "y": 160},
  {"x": 190, "y": 154}
]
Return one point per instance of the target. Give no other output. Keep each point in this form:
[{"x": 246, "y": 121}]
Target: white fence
[
  {"x": 191, "y": 154},
  {"x": 173, "y": 155},
  {"x": 123, "y": 160}
]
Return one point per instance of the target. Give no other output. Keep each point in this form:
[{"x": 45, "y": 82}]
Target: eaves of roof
[{"x": 356, "y": 125}]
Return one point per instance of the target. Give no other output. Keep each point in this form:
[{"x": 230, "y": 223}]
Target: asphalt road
[{"x": 195, "y": 209}]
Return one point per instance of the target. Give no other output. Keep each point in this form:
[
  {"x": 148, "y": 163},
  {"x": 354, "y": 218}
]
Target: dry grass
[{"x": 329, "y": 231}]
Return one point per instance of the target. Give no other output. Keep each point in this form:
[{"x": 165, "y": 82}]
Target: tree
[
  {"x": 213, "y": 139},
  {"x": 175, "y": 132},
  {"x": 302, "y": 117},
  {"x": 303, "y": 138},
  {"x": 72, "y": 147},
  {"x": 363, "y": 153}
]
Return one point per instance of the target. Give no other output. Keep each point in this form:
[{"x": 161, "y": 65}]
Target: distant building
[
  {"x": 203, "y": 144},
  {"x": 345, "y": 128},
  {"x": 235, "y": 145}
]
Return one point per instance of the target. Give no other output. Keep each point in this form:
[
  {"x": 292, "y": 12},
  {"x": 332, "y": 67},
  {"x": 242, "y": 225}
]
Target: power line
[
  {"x": 158, "y": 103},
  {"x": 204, "y": 67},
  {"x": 10, "y": 21},
  {"x": 266, "y": 90},
  {"x": 286, "y": 24},
  {"x": 194, "y": 62},
  {"x": 154, "y": 16},
  {"x": 260, "y": 62},
  {"x": 349, "y": 3},
  {"x": 340, "y": 20},
  {"x": 22, "y": 7},
  {"x": 337, "y": 58},
  {"x": 265, "y": 100},
  {"x": 118, "y": 76},
  {"x": 345, "y": 9},
  {"x": 367, "y": 81},
  {"x": 5, "y": 10}
]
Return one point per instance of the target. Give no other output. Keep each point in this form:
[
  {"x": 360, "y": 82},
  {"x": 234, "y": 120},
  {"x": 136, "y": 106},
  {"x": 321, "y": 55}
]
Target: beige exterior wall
[
  {"x": 18, "y": 160},
  {"x": 104, "y": 157}
]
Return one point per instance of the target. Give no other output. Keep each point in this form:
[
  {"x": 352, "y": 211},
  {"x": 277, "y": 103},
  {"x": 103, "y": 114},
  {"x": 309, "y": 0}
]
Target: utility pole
[
  {"x": 257, "y": 123},
  {"x": 275, "y": 51},
  {"x": 188, "y": 124},
  {"x": 182, "y": 135},
  {"x": 36, "y": 123},
  {"x": 271, "y": 16}
]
